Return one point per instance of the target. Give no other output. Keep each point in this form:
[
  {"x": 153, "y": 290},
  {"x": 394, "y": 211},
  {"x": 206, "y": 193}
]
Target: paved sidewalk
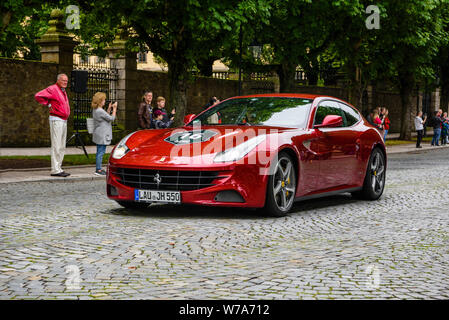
[
  {"x": 87, "y": 172},
  {"x": 45, "y": 151}
]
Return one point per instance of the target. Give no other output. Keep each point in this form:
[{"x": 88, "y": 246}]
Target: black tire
[
  {"x": 281, "y": 186},
  {"x": 374, "y": 183},
  {"x": 133, "y": 205}
]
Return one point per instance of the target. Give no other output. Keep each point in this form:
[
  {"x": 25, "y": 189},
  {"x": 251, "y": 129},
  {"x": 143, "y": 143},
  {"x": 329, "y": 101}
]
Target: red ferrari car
[{"x": 260, "y": 151}]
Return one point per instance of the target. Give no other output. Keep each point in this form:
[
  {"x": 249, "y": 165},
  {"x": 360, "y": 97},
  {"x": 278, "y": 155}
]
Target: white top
[
  {"x": 53, "y": 118},
  {"x": 419, "y": 123}
]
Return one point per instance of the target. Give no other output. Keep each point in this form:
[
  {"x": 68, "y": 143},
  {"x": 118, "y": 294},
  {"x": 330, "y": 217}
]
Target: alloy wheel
[
  {"x": 377, "y": 172},
  {"x": 284, "y": 184}
]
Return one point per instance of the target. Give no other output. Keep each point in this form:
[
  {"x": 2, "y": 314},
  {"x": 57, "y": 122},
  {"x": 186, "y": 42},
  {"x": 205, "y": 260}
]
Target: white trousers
[{"x": 58, "y": 135}]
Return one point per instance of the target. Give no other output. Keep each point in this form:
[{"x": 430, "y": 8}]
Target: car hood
[{"x": 188, "y": 145}]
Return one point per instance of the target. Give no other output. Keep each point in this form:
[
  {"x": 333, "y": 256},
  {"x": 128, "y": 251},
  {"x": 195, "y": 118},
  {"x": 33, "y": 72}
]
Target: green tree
[
  {"x": 442, "y": 58},
  {"x": 22, "y": 21},
  {"x": 412, "y": 33},
  {"x": 296, "y": 33}
]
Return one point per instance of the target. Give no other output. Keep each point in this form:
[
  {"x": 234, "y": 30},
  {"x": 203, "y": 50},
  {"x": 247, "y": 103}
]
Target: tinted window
[
  {"x": 351, "y": 116},
  {"x": 268, "y": 111},
  {"x": 327, "y": 108}
]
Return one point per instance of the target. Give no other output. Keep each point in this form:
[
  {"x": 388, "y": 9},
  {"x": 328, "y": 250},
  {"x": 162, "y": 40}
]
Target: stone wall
[
  {"x": 340, "y": 93},
  {"x": 392, "y": 101},
  {"x": 24, "y": 122}
]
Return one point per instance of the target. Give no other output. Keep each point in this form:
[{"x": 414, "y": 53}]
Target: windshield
[{"x": 267, "y": 111}]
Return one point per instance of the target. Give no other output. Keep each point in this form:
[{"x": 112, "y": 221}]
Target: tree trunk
[
  {"x": 286, "y": 73},
  {"x": 355, "y": 89},
  {"x": 312, "y": 76},
  {"x": 444, "y": 99},
  {"x": 6, "y": 18},
  {"x": 407, "y": 83},
  {"x": 177, "y": 82},
  {"x": 311, "y": 68}
]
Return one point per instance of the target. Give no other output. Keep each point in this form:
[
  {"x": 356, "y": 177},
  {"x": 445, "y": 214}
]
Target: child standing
[
  {"x": 158, "y": 122},
  {"x": 444, "y": 132}
]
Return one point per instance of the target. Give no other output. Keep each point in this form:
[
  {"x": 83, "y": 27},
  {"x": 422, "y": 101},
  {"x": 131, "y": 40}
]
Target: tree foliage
[{"x": 22, "y": 21}]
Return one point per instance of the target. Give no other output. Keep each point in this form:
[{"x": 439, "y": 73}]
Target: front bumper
[{"x": 249, "y": 181}]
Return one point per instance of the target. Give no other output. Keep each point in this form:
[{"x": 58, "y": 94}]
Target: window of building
[{"x": 142, "y": 57}]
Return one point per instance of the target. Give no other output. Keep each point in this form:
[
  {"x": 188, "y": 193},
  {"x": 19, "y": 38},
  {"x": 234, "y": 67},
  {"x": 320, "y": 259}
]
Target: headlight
[
  {"x": 240, "y": 151},
  {"x": 121, "y": 149}
]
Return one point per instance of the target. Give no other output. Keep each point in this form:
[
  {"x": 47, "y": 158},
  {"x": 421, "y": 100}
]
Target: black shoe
[
  {"x": 100, "y": 173},
  {"x": 61, "y": 174},
  {"x": 419, "y": 147}
]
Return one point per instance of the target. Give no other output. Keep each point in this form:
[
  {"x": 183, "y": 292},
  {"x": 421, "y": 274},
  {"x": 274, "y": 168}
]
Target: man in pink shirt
[{"x": 55, "y": 98}]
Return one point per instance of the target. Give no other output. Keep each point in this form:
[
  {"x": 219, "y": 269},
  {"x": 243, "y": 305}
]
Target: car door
[
  {"x": 336, "y": 149},
  {"x": 351, "y": 148}
]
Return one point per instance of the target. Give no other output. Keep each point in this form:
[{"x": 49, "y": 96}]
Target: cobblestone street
[{"x": 66, "y": 240}]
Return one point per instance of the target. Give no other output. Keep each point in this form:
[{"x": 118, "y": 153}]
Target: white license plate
[{"x": 157, "y": 196}]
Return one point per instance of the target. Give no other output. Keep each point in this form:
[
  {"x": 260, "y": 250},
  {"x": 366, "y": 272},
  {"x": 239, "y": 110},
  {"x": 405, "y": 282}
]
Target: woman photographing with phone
[{"x": 102, "y": 134}]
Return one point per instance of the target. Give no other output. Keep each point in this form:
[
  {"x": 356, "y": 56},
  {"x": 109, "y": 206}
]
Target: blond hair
[
  {"x": 160, "y": 99},
  {"x": 97, "y": 98}
]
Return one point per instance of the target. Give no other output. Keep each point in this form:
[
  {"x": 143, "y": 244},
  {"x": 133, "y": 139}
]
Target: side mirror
[
  {"x": 330, "y": 121},
  {"x": 189, "y": 118}
]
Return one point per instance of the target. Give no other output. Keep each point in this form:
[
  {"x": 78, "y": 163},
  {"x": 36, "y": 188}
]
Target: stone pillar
[
  {"x": 436, "y": 100},
  {"x": 56, "y": 44},
  {"x": 127, "y": 93}
]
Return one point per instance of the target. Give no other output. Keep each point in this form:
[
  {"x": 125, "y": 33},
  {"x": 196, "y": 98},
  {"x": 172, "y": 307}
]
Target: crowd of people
[
  {"x": 154, "y": 118},
  {"x": 440, "y": 124},
  {"x": 378, "y": 117}
]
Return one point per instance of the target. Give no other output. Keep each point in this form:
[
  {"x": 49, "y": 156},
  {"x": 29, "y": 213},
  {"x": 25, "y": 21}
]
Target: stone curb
[{"x": 46, "y": 168}]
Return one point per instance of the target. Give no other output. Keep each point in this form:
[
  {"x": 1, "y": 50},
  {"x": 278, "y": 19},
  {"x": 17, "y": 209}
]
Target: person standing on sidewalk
[
  {"x": 444, "y": 131},
  {"x": 385, "y": 122},
  {"x": 160, "y": 105},
  {"x": 444, "y": 127},
  {"x": 55, "y": 98},
  {"x": 158, "y": 122},
  {"x": 145, "y": 112},
  {"x": 102, "y": 135},
  {"x": 436, "y": 123},
  {"x": 419, "y": 127}
]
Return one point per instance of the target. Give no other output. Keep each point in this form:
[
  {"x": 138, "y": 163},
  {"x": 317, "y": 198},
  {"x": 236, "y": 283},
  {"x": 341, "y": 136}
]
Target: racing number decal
[{"x": 188, "y": 137}]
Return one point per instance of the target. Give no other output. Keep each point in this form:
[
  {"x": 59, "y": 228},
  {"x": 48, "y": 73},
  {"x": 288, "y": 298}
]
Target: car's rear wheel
[
  {"x": 133, "y": 205},
  {"x": 374, "y": 183},
  {"x": 281, "y": 187}
]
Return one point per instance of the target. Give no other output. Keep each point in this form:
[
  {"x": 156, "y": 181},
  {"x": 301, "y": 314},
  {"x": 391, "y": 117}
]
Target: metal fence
[{"x": 101, "y": 78}]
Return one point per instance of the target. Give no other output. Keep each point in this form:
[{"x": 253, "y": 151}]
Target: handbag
[{"x": 90, "y": 125}]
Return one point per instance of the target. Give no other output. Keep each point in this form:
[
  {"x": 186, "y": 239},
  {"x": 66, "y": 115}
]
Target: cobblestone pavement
[{"x": 66, "y": 240}]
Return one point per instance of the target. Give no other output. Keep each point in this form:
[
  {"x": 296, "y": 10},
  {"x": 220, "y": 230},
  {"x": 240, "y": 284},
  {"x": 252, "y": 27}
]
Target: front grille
[{"x": 169, "y": 180}]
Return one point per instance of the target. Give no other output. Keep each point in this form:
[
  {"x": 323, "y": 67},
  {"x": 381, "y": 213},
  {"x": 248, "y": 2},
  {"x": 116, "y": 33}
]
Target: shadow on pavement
[
  {"x": 210, "y": 212},
  {"x": 189, "y": 211}
]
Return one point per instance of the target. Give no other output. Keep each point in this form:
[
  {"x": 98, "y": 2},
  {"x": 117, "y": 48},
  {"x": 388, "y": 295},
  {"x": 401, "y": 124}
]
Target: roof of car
[{"x": 289, "y": 95}]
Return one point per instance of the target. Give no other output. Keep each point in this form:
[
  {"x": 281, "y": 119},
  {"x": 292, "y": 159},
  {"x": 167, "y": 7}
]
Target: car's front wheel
[
  {"x": 374, "y": 183},
  {"x": 281, "y": 187},
  {"x": 133, "y": 205}
]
